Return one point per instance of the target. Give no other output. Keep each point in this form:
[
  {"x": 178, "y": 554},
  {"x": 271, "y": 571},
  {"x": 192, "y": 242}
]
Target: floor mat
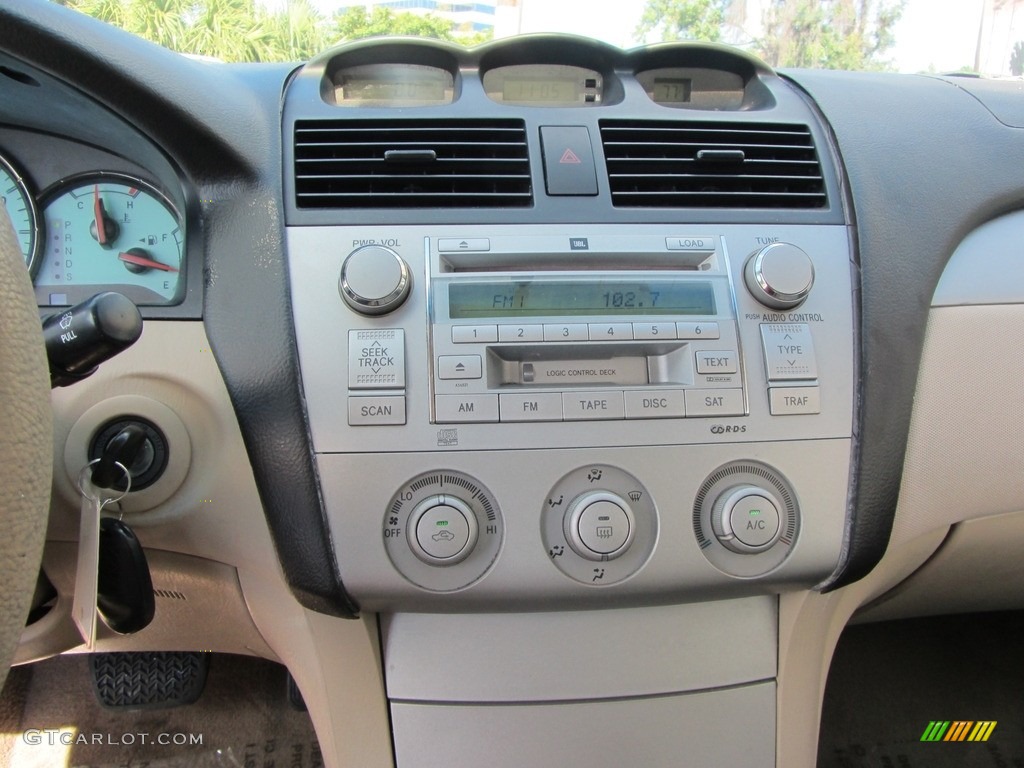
[
  {"x": 49, "y": 717},
  {"x": 891, "y": 681}
]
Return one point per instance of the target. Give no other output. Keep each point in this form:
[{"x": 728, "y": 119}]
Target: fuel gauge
[{"x": 110, "y": 232}]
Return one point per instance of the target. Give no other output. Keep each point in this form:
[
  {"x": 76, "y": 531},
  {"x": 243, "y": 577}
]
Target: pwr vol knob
[{"x": 374, "y": 280}]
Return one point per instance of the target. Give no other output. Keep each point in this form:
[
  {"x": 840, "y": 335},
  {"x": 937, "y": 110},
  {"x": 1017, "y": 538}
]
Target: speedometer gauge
[
  {"x": 110, "y": 232},
  {"x": 21, "y": 208}
]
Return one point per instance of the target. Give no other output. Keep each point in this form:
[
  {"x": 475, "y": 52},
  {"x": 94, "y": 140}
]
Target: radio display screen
[{"x": 579, "y": 298}]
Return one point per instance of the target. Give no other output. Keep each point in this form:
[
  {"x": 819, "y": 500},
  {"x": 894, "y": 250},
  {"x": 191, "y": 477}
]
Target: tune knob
[
  {"x": 747, "y": 519},
  {"x": 779, "y": 275},
  {"x": 374, "y": 280}
]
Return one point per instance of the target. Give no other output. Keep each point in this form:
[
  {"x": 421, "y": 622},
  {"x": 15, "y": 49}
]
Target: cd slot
[
  {"x": 607, "y": 365},
  {"x": 485, "y": 263}
]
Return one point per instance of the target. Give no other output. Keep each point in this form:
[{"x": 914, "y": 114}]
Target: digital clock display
[
  {"x": 590, "y": 298},
  {"x": 529, "y": 90}
]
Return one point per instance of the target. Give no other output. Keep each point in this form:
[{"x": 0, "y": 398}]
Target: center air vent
[
  {"x": 411, "y": 164},
  {"x": 684, "y": 164}
]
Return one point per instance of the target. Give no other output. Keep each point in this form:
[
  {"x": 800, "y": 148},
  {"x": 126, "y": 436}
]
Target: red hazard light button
[{"x": 568, "y": 160}]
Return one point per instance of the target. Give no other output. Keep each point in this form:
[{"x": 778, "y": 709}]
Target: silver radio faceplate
[{"x": 543, "y": 337}]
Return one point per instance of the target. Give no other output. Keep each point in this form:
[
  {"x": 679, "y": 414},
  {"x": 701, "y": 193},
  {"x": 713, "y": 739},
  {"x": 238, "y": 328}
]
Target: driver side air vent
[
  {"x": 411, "y": 164},
  {"x": 684, "y": 164}
]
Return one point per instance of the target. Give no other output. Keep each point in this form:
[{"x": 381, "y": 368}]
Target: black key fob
[{"x": 125, "y": 590}]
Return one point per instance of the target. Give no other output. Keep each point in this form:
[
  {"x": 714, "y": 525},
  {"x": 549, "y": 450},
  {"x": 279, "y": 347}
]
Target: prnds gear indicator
[{"x": 443, "y": 530}]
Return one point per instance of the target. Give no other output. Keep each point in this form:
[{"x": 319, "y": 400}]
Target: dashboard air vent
[
  {"x": 411, "y": 164},
  {"x": 684, "y": 164}
]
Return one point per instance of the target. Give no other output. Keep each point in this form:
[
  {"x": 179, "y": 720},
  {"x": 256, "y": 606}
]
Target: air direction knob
[
  {"x": 374, "y": 280},
  {"x": 779, "y": 275},
  {"x": 600, "y": 525}
]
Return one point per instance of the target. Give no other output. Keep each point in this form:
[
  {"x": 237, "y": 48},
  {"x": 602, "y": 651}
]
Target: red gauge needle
[
  {"x": 142, "y": 261},
  {"x": 100, "y": 216}
]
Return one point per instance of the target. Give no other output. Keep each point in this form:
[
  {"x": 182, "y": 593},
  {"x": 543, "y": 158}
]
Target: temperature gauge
[{"x": 110, "y": 232}]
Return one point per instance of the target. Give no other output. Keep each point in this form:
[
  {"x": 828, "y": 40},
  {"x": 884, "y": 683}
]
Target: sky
[{"x": 932, "y": 35}]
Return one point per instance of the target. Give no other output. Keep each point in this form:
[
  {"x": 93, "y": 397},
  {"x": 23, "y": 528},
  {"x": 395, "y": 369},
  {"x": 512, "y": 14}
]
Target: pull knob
[
  {"x": 779, "y": 275},
  {"x": 79, "y": 339},
  {"x": 374, "y": 280}
]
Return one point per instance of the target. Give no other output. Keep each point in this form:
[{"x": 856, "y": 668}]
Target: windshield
[{"x": 969, "y": 36}]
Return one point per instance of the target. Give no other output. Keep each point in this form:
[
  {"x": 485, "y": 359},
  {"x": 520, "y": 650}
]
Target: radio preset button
[
  {"x": 567, "y": 332},
  {"x": 546, "y": 406},
  {"x": 592, "y": 406},
  {"x": 520, "y": 333},
  {"x": 611, "y": 331},
  {"x": 698, "y": 330},
  {"x": 711, "y": 361},
  {"x": 459, "y": 367},
  {"x": 655, "y": 404},
  {"x": 460, "y": 409},
  {"x": 655, "y": 331},
  {"x": 474, "y": 334},
  {"x": 714, "y": 402}
]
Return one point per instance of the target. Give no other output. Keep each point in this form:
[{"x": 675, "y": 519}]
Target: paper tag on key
[{"x": 83, "y": 606}]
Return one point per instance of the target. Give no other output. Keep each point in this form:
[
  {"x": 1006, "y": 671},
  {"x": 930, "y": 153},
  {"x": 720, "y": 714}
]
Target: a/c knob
[
  {"x": 779, "y": 275},
  {"x": 747, "y": 519},
  {"x": 374, "y": 280}
]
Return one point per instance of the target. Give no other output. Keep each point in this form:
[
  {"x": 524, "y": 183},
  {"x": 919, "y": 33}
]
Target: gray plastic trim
[{"x": 987, "y": 267}]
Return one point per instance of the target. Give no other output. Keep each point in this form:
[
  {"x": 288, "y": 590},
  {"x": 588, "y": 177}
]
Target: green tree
[
  {"x": 243, "y": 30},
  {"x": 355, "y": 23},
  {"x": 683, "y": 19},
  {"x": 1017, "y": 59},
  {"x": 829, "y": 34}
]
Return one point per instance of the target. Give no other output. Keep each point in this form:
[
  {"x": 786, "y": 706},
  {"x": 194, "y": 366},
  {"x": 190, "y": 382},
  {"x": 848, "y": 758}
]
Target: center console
[{"x": 571, "y": 451}]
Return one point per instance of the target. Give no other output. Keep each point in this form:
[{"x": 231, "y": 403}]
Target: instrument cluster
[{"x": 95, "y": 230}]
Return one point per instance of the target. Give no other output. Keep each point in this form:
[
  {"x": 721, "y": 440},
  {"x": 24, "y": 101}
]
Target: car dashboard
[{"x": 536, "y": 388}]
